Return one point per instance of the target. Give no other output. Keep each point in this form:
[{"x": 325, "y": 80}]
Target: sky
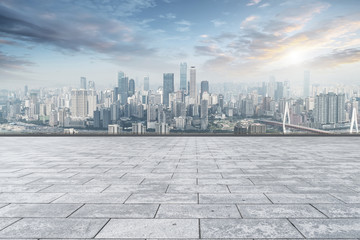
[{"x": 52, "y": 43}]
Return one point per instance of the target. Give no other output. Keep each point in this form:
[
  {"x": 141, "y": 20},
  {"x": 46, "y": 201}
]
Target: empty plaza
[{"x": 179, "y": 187}]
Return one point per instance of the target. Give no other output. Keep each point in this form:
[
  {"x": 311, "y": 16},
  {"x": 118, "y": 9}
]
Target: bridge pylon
[
  {"x": 354, "y": 121},
  {"x": 286, "y": 113}
]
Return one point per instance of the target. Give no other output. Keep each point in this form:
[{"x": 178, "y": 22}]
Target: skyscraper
[
  {"x": 146, "y": 83},
  {"x": 168, "y": 87},
  {"x": 131, "y": 87},
  {"x": 83, "y": 83},
  {"x": 204, "y": 87},
  {"x": 193, "y": 82},
  {"x": 183, "y": 76},
  {"x": 79, "y": 103},
  {"x": 330, "y": 108},
  {"x": 123, "y": 86},
  {"x": 306, "y": 84}
]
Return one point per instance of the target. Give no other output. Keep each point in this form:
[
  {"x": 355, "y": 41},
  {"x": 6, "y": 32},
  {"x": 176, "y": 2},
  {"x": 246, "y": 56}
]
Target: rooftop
[{"x": 179, "y": 187}]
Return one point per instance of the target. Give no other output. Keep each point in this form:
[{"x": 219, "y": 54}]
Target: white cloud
[
  {"x": 183, "y": 22},
  {"x": 218, "y": 23},
  {"x": 264, "y": 5},
  {"x": 168, "y": 16},
  {"x": 248, "y": 20},
  {"x": 253, "y": 2}
]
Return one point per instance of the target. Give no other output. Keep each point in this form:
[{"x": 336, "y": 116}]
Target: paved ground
[{"x": 179, "y": 187}]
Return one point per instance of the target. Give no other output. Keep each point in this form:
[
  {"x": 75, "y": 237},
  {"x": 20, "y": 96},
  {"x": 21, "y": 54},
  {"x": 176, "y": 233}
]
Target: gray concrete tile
[
  {"x": 340, "y": 210},
  {"x": 116, "y": 211},
  {"x": 328, "y": 228},
  {"x": 258, "y": 189},
  {"x": 28, "y": 197},
  {"x": 53, "y": 228},
  {"x": 162, "y": 198},
  {"x": 233, "y": 198},
  {"x": 348, "y": 197},
  {"x": 176, "y": 188},
  {"x": 279, "y": 211},
  {"x": 38, "y": 210},
  {"x": 75, "y": 188},
  {"x": 247, "y": 228},
  {"x": 302, "y": 198},
  {"x": 93, "y": 198},
  {"x": 197, "y": 211},
  {"x": 22, "y": 188},
  {"x": 4, "y": 222},
  {"x": 150, "y": 228},
  {"x": 161, "y": 188}
]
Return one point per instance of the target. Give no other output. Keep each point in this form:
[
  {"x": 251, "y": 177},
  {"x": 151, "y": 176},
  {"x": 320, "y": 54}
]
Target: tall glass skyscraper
[
  {"x": 168, "y": 87},
  {"x": 82, "y": 83},
  {"x": 183, "y": 76},
  {"x": 131, "y": 87},
  {"x": 123, "y": 85},
  {"x": 204, "y": 87},
  {"x": 146, "y": 83},
  {"x": 193, "y": 82}
]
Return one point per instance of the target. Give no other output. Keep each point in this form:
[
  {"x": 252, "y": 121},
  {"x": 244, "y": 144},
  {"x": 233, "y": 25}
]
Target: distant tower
[
  {"x": 79, "y": 103},
  {"x": 168, "y": 87},
  {"x": 131, "y": 87},
  {"x": 286, "y": 114},
  {"x": 183, "y": 76},
  {"x": 354, "y": 120},
  {"x": 146, "y": 83},
  {"x": 26, "y": 90},
  {"x": 306, "y": 84},
  {"x": 193, "y": 82},
  {"x": 82, "y": 83},
  {"x": 123, "y": 86},
  {"x": 204, "y": 88}
]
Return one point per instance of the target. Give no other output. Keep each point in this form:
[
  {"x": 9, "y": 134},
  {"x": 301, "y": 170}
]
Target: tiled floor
[{"x": 179, "y": 187}]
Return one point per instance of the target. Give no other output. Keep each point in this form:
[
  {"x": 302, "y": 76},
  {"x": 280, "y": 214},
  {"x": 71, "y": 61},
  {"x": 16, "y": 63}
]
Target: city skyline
[{"x": 53, "y": 43}]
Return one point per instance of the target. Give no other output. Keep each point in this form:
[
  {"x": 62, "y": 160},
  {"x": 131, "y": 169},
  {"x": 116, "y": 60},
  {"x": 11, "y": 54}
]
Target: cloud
[
  {"x": 253, "y": 2},
  {"x": 123, "y": 8},
  {"x": 248, "y": 20},
  {"x": 184, "y": 26},
  {"x": 75, "y": 32},
  {"x": 264, "y": 5},
  {"x": 168, "y": 16},
  {"x": 183, "y": 22},
  {"x": 336, "y": 58},
  {"x": 218, "y": 23},
  {"x": 8, "y": 62}
]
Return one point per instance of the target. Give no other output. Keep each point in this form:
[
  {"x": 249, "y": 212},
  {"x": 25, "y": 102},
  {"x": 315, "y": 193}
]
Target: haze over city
[{"x": 53, "y": 43}]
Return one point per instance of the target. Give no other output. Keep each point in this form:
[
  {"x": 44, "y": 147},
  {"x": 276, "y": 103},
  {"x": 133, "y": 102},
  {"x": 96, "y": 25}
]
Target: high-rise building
[
  {"x": 79, "y": 103},
  {"x": 131, "y": 87},
  {"x": 116, "y": 94},
  {"x": 123, "y": 85},
  {"x": 91, "y": 85},
  {"x": 168, "y": 87},
  {"x": 193, "y": 82},
  {"x": 106, "y": 117},
  {"x": 146, "y": 83},
  {"x": 204, "y": 115},
  {"x": 204, "y": 88},
  {"x": 306, "y": 84},
  {"x": 82, "y": 83},
  {"x": 329, "y": 108},
  {"x": 92, "y": 102},
  {"x": 97, "y": 122},
  {"x": 183, "y": 76}
]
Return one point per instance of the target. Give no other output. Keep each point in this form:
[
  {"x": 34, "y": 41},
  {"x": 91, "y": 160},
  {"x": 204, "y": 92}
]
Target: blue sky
[{"x": 52, "y": 43}]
